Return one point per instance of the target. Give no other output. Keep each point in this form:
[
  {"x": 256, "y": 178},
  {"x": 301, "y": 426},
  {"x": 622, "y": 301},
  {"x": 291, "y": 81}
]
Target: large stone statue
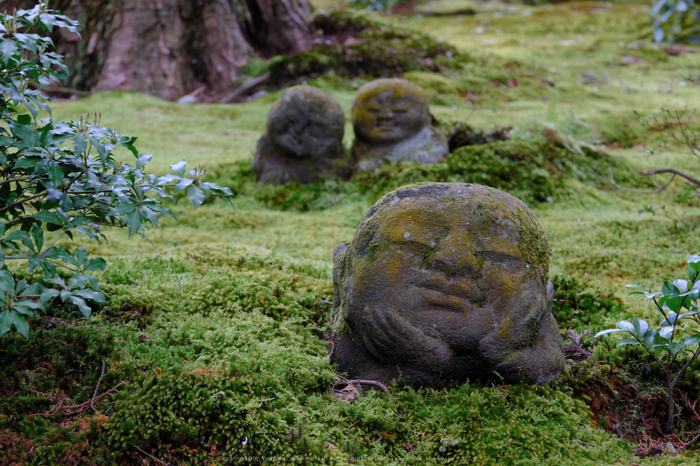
[
  {"x": 304, "y": 139},
  {"x": 446, "y": 281},
  {"x": 392, "y": 123}
]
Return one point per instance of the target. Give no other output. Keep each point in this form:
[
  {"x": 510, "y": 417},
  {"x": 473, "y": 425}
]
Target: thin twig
[
  {"x": 77, "y": 409},
  {"x": 671, "y": 170},
  {"x": 92, "y": 402},
  {"x": 330, "y": 353},
  {"x": 367, "y": 382},
  {"x": 248, "y": 85},
  {"x": 352, "y": 425},
  {"x": 13, "y": 180},
  {"x": 585, "y": 443},
  {"x": 21, "y": 201},
  {"x": 153, "y": 457},
  {"x": 640, "y": 191},
  {"x": 686, "y": 445}
]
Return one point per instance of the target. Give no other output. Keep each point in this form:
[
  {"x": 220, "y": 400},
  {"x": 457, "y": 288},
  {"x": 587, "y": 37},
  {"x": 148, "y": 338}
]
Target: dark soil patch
[
  {"x": 632, "y": 405},
  {"x": 464, "y": 135}
]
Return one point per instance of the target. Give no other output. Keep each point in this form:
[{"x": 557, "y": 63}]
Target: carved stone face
[
  {"x": 306, "y": 123},
  {"x": 451, "y": 279},
  {"x": 387, "y": 111},
  {"x": 304, "y": 139}
]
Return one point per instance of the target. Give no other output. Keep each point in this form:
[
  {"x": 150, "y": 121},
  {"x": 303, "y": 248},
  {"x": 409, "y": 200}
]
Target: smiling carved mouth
[{"x": 454, "y": 298}]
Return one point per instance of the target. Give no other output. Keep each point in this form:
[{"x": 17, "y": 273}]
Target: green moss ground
[{"x": 217, "y": 327}]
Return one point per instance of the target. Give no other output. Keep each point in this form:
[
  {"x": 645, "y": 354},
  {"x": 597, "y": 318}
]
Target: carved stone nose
[
  {"x": 455, "y": 256},
  {"x": 386, "y": 114}
]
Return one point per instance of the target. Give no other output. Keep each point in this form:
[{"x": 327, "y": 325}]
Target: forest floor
[{"x": 215, "y": 330}]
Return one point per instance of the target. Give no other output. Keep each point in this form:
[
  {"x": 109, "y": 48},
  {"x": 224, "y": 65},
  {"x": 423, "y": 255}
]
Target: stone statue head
[
  {"x": 306, "y": 122},
  {"x": 446, "y": 281},
  {"x": 304, "y": 139},
  {"x": 387, "y": 111}
]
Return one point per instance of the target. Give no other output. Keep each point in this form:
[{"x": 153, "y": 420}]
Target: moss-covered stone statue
[
  {"x": 392, "y": 123},
  {"x": 304, "y": 139},
  {"x": 446, "y": 281}
]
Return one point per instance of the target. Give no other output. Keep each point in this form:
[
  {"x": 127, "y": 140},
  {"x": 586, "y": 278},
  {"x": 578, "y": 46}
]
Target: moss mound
[
  {"x": 356, "y": 43},
  {"x": 208, "y": 382},
  {"x": 532, "y": 171},
  {"x": 226, "y": 278},
  {"x": 579, "y": 308}
]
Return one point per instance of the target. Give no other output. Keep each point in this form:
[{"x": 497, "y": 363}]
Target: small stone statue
[
  {"x": 392, "y": 122},
  {"x": 446, "y": 281},
  {"x": 304, "y": 139}
]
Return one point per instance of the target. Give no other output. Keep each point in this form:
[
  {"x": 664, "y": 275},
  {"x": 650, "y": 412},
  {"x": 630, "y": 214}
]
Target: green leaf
[
  {"x": 179, "y": 168},
  {"x": 694, "y": 262},
  {"x": 605, "y": 332},
  {"x": 17, "y": 235},
  {"x": 93, "y": 281},
  {"x": 5, "y": 322},
  {"x": 79, "y": 144},
  {"x": 38, "y": 235},
  {"x": 56, "y": 174},
  {"x": 84, "y": 308},
  {"x": 143, "y": 159},
  {"x": 671, "y": 320},
  {"x": 676, "y": 303},
  {"x": 49, "y": 217},
  {"x": 8, "y": 48},
  {"x": 682, "y": 285},
  {"x": 196, "y": 195},
  {"x": 96, "y": 263},
  {"x": 7, "y": 282},
  {"x": 123, "y": 209},
  {"x": 687, "y": 314},
  {"x": 675, "y": 348},
  {"x": 628, "y": 341},
  {"x": 666, "y": 332},
  {"x": 60, "y": 253},
  {"x": 25, "y": 120},
  {"x": 182, "y": 184},
  {"x": 78, "y": 281},
  {"x": 81, "y": 256},
  {"x": 48, "y": 20},
  {"x": 669, "y": 289},
  {"x": 34, "y": 262},
  {"x": 29, "y": 304},
  {"x": 637, "y": 287},
  {"x": 20, "y": 324},
  {"x": 640, "y": 327},
  {"x": 93, "y": 295},
  {"x": 624, "y": 325},
  {"x": 649, "y": 338},
  {"x": 47, "y": 294},
  {"x": 87, "y": 232},
  {"x": 691, "y": 340},
  {"x": 133, "y": 221},
  {"x": 58, "y": 281}
]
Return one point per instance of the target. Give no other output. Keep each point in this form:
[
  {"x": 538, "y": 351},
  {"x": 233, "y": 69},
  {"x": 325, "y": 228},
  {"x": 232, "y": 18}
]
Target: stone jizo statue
[
  {"x": 392, "y": 123},
  {"x": 446, "y": 281},
  {"x": 304, "y": 139}
]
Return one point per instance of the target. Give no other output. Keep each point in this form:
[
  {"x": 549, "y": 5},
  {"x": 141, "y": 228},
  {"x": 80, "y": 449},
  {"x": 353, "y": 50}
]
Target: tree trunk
[{"x": 169, "y": 47}]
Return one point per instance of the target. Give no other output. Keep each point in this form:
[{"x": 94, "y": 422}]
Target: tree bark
[{"x": 169, "y": 47}]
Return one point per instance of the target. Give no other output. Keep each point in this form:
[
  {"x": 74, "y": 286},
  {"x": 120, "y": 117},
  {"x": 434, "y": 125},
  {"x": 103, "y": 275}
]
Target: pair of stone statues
[{"x": 305, "y": 127}]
